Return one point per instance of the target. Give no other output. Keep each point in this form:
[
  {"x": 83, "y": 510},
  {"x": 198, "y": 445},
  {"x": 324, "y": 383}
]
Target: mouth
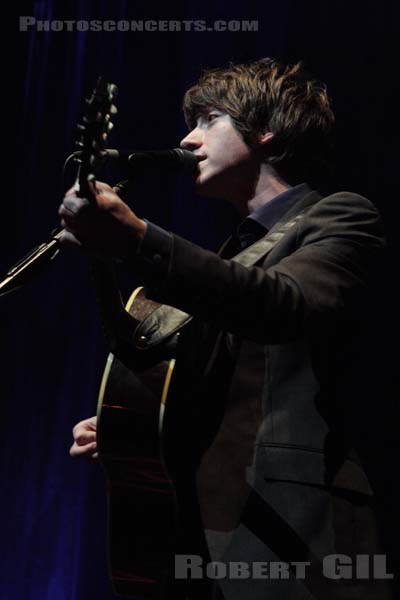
[{"x": 200, "y": 158}]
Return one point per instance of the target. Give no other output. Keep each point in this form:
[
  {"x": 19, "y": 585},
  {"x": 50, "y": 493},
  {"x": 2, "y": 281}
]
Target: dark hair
[{"x": 264, "y": 96}]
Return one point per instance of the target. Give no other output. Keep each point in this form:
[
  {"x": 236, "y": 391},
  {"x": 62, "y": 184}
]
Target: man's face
[{"x": 227, "y": 167}]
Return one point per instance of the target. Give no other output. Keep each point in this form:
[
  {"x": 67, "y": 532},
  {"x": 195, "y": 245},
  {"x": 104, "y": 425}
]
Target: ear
[{"x": 265, "y": 138}]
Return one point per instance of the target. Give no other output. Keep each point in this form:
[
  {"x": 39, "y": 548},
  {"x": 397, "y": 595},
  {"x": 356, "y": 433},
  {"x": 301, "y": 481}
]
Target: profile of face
[{"x": 228, "y": 168}]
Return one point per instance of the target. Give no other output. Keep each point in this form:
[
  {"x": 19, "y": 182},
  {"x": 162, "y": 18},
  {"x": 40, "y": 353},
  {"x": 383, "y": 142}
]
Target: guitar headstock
[{"x": 95, "y": 129}]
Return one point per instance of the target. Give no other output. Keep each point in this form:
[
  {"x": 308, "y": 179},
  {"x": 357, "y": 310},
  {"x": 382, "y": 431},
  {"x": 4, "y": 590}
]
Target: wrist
[
  {"x": 138, "y": 231},
  {"x": 141, "y": 230}
]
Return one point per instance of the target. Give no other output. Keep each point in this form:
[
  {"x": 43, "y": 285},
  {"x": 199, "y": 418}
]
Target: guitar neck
[{"x": 117, "y": 322}]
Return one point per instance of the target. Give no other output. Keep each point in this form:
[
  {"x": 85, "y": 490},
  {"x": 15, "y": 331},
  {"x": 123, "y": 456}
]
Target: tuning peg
[
  {"x": 79, "y": 144},
  {"x": 81, "y": 127},
  {"x": 113, "y": 109}
]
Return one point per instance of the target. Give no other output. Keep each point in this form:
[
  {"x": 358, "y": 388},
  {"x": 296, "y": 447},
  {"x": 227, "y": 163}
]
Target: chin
[
  {"x": 205, "y": 191},
  {"x": 211, "y": 188}
]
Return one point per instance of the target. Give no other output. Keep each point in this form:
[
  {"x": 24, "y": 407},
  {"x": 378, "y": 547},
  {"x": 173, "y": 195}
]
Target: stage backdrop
[{"x": 53, "y": 508}]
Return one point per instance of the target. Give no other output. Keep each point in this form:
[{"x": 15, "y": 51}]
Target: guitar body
[{"x": 141, "y": 496}]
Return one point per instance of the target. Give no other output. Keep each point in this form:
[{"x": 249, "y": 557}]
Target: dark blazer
[{"x": 269, "y": 371}]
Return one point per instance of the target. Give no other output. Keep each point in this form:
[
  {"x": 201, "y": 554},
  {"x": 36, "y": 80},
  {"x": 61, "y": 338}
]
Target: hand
[
  {"x": 85, "y": 443},
  {"x": 105, "y": 227}
]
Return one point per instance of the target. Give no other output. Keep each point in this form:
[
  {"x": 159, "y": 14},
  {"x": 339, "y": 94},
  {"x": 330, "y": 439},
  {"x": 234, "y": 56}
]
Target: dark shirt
[{"x": 259, "y": 222}]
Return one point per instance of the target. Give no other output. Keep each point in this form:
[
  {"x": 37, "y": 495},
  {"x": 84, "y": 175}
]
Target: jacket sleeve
[{"x": 339, "y": 244}]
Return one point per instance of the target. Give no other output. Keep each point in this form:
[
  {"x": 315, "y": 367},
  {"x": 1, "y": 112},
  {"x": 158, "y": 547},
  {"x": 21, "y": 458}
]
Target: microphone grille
[{"x": 187, "y": 159}]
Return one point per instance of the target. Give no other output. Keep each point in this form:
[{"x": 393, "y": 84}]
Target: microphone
[{"x": 165, "y": 160}]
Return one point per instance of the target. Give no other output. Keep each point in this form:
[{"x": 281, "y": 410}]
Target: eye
[
  {"x": 211, "y": 116},
  {"x": 207, "y": 117}
]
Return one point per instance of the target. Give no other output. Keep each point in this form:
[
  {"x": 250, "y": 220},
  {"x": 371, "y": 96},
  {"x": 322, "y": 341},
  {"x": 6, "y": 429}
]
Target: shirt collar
[
  {"x": 270, "y": 213},
  {"x": 260, "y": 221}
]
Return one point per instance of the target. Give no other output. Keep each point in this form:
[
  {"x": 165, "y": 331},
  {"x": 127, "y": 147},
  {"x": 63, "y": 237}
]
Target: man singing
[{"x": 279, "y": 323}]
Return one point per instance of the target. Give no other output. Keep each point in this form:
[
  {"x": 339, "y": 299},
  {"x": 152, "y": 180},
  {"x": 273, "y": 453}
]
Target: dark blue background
[{"x": 52, "y": 508}]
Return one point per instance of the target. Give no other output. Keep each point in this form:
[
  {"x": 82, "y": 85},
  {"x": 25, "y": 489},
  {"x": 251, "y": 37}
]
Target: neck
[{"x": 269, "y": 185}]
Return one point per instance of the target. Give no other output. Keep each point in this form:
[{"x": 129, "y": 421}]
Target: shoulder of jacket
[
  {"x": 346, "y": 200},
  {"x": 343, "y": 214}
]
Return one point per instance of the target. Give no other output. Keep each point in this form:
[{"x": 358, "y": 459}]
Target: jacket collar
[{"x": 229, "y": 248}]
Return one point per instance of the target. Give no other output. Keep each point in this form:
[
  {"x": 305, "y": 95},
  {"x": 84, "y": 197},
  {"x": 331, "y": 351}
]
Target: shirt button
[
  {"x": 142, "y": 341},
  {"x": 157, "y": 258}
]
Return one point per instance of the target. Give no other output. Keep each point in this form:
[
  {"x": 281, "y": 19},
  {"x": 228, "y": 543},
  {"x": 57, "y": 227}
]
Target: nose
[{"x": 193, "y": 140}]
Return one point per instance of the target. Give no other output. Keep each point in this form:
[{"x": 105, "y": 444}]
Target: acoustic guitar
[{"x": 143, "y": 520}]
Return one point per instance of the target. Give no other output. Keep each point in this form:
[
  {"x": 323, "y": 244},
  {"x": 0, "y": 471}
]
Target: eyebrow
[{"x": 207, "y": 110}]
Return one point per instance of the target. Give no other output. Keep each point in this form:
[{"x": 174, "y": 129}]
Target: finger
[
  {"x": 88, "y": 450},
  {"x": 105, "y": 195},
  {"x": 66, "y": 214},
  {"x": 68, "y": 239},
  {"x": 73, "y": 190},
  {"x": 92, "y": 423},
  {"x": 74, "y": 204},
  {"x": 107, "y": 200},
  {"x": 85, "y": 437},
  {"x": 86, "y": 424},
  {"x": 100, "y": 187},
  {"x": 69, "y": 224}
]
